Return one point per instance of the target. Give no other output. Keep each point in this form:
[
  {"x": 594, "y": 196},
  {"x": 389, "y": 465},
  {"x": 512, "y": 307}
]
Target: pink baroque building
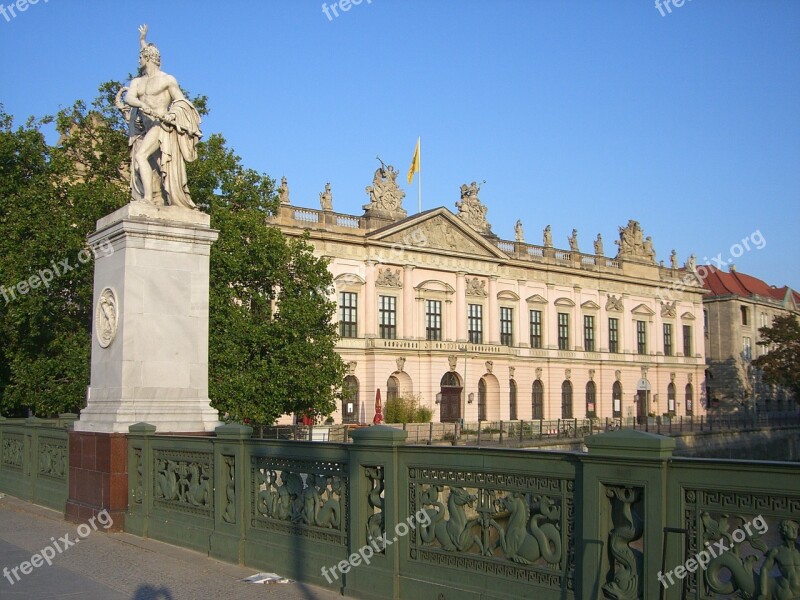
[{"x": 436, "y": 306}]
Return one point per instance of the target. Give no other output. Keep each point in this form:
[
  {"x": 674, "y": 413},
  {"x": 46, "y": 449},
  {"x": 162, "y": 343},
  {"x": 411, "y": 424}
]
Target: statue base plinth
[{"x": 153, "y": 263}]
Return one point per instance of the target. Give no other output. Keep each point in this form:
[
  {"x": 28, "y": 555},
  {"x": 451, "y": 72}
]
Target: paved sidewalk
[{"x": 119, "y": 566}]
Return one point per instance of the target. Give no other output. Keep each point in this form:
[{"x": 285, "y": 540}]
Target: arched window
[
  {"x": 537, "y": 400},
  {"x": 392, "y": 387},
  {"x": 689, "y": 400},
  {"x": 512, "y": 399},
  {"x": 591, "y": 395},
  {"x": 350, "y": 400},
  {"x": 482, "y": 400},
  {"x": 616, "y": 400},
  {"x": 450, "y": 398},
  {"x": 566, "y": 400},
  {"x": 671, "y": 398}
]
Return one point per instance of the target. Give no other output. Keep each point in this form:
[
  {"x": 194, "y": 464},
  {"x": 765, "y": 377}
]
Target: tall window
[
  {"x": 689, "y": 400},
  {"x": 512, "y": 399},
  {"x": 566, "y": 400},
  {"x": 348, "y": 311},
  {"x": 591, "y": 396},
  {"x": 616, "y": 400},
  {"x": 705, "y": 322},
  {"x": 671, "y": 398},
  {"x": 744, "y": 315},
  {"x": 613, "y": 335},
  {"x": 392, "y": 388},
  {"x": 537, "y": 400},
  {"x": 506, "y": 326},
  {"x": 588, "y": 333},
  {"x": 536, "y": 329},
  {"x": 482, "y": 400},
  {"x": 433, "y": 320},
  {"x": 475, "y": 331},
  {"x": 563, "y": 331},
  {"x": 387, "y": 317},
  {"x": 667, "y": 339},
  {"x": 746, "y": 347},
  {"x": 641, "y": 337},
  {"x": 350, "y": 400},
  {"x": 687, "y": 340}
]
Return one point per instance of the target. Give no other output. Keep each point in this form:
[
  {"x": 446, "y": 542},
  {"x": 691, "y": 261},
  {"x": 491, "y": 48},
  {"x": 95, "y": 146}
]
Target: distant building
[
  {"x": 735, "y": 307},
  {"x": 437, "y": 306}
]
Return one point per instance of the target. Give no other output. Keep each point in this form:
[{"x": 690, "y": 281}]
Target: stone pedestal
[
  {"x": 150, "y": 329},
  {"x": 149, "y": 347}
]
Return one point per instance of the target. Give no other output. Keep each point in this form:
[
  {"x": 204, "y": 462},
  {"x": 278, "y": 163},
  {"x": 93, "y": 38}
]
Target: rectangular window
[
  {"x": 348, "y": 314},
  {"x": 563, "y": 331},
  {"x": 536, "y": 329},
  {"x": 475, "y": 325},
  {"x": 506, "y": 326},
  {"x": 613, "y": 335},
  {"x": 588, "y": 333},
  {"x": 641, "y": 337},
  {"x": 433, "y": 320},
  {"x": 387, "y": 317},
  {"x": 746, "y": 348},
  {"x": 687, "y": 340},
  {"x": 667, "y": 339}
]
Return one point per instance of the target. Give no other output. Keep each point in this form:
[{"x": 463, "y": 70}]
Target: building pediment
[
  {"x": 536, "y": 299},
  {"x": 507, "y": 295},
  {"x": 434, "y": 285},
  {"x": 687, "y": 316},
  {"x": 348, "y": 279},
  {"x": 589, "y": 305},
  {"x": 564, "y": 302},
  {"x": 643, "y": 309},
  {"x": 437, "y": 229}
]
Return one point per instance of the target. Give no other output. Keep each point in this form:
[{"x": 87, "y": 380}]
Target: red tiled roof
[{"x": 720, "y": 283}]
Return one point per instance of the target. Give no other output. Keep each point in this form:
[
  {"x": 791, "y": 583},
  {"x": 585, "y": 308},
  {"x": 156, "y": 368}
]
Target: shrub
[{"x": 406, "y": 409}]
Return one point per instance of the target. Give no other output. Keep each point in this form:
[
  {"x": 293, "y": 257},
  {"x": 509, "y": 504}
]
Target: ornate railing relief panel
[
  {"x": 138, "y": 477},
  {"x": 747, "y": 541},
  {"x": 229, "y": 480},
  {"x": 306, "y": 498},
  {"x": 516, "y": 526},
  {"x": 376, "y": 526},
  {"x": 53, "y": 456},
  {"x": 13, "y": 451},
  {"x": 183, "y": 481},
  {"x": 624, "y": 580}
]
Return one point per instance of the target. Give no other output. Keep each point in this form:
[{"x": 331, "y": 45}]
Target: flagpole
[{"x": 419, "y": 179}]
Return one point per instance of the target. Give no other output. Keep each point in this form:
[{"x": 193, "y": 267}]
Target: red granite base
[{"x": 98, "y": 477}]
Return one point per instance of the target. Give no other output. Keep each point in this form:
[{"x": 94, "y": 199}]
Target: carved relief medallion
[{"x": 106, "y": 317}]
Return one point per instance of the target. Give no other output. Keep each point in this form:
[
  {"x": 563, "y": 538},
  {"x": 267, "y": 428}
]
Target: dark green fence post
[
  {"x": 140, "y": 478},
  {"x": 374, "y": 468},
  {"x": 231, "y": 493},
  {"x": 624, "y": 494}
]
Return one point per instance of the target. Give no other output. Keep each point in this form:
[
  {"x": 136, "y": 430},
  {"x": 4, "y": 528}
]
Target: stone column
[
  {"x": 493, "y": 316},
  {"x": 409, "y": 329},
  {"x": 461, "y": 307},
  {"x": 370, "y": 320}
]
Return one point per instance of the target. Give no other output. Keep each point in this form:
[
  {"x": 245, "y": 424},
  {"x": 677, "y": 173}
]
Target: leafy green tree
[
  {"x": 272, "y": 335},
  {"x": 781, "y": 365}
]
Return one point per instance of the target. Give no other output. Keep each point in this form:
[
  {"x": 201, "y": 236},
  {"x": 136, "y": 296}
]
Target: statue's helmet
[{"x": 151, "y": 54}]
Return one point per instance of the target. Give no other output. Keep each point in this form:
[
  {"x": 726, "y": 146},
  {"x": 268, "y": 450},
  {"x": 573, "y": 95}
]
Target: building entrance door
[{"x": 450, "y": 407}]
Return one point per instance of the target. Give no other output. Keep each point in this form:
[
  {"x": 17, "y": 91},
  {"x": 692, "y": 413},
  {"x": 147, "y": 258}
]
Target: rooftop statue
[
  {"x": 598, "y": 245},
  {"x": 548, "y": 237},
  {"x": 283, "y": 191},
  {"x": 519, "y": 236},
  {"x": 385, "y": 196},
  {"x": 573, "y": 241},
  {"x": 471, "y": 210},
  {"x": 633, "y": 246},
  {"x": 163, "y": 130},
  {"x": 326, "y": 198}
]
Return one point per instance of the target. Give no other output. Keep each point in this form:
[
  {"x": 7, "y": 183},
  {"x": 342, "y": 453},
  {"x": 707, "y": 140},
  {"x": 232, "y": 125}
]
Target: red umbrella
[{"x": 378, "y": 418}]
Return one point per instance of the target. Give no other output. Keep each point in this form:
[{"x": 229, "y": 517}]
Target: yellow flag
[{"x": 414, "y": 163}]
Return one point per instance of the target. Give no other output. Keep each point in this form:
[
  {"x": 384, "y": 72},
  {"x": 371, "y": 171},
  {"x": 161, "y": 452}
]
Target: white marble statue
[{"x": 164, "y": 128}]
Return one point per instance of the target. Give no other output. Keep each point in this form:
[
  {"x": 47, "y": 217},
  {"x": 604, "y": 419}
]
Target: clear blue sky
[{"x": 576, "y": 114}]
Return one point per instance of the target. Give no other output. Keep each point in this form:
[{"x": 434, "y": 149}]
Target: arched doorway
[
  {"x": 591, "y": 399},
  {"x": 450, "y": 401},
  {"x": 566, "y": 400},
  {"x": 616, "y": 400},
  {"x": 512, "y": 399},
  {"x": 689, "y": 400},
  {"x": 398, "y": 385},
  {"x": 392, "y": 388},
  {"x": 537, "y": 400},
  {"x": 350, "y": 400}
]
